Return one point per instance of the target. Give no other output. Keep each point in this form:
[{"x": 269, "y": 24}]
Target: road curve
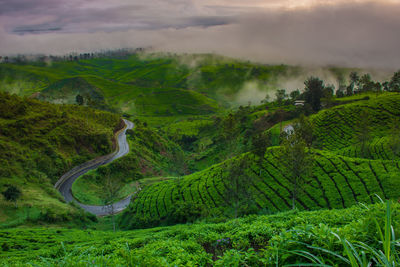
[{"x": 64, "y": 184}]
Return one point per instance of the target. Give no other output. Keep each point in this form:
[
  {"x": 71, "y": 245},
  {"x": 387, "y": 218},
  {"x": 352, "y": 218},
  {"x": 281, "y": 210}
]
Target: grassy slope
[
  {"x": 38, "y": 143},
  {"x": 337, "y": 181},
  {"x": 133, "y": 84},
  {"x": 248, "y": 241},
  {"x": 151, "y": 154},
  {"x": 145, "y": 85}
]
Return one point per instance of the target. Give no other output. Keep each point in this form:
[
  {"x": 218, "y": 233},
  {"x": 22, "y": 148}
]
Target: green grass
[
  {"x": 188, "y": 127},
  {"x": 151, "y": 154},
  {"x": 38, "y": 143},
  {"x": 88, "y": 190},
  {"x": 254, "y": 241},
  {"x": 145, "y": 84}
]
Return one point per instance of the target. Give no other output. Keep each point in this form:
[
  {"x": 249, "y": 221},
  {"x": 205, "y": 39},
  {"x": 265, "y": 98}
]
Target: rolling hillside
[
  {"x": 38, "y": 143},
  {"x": 337, "y": 128},
  {"x": 144, "y": 85},
  {"x": 337, "y": 180},
  {"x": 151, "y": 155}
]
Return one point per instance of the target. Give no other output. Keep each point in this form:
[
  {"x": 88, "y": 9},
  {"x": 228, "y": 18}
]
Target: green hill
[
  {"x": 152, "y": 85},
  {"x": 151, "y": 155},
  {"x": 337, "y": 181},
  {"x": 337, "y": 128},
  {"x": 200, "y": 155},
  {"x": 39, "y": 142},
  {"x": 66, "y": 90}
]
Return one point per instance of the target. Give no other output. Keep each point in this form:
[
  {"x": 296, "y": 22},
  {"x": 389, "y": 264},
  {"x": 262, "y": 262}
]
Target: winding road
[{"x": 64, "y": 184}]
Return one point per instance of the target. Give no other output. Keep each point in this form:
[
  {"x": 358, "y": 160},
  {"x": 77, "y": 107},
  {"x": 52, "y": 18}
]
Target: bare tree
[{"x": 111, "y": 189}]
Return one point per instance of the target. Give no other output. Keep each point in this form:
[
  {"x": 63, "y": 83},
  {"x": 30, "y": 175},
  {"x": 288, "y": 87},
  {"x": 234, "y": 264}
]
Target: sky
[{"x": 310, "y": 32}]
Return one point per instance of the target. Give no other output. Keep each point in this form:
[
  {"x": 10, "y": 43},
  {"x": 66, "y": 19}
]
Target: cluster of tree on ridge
[
  {"x": 73, "y": 56},
  {"x": 316, "y": 94}
]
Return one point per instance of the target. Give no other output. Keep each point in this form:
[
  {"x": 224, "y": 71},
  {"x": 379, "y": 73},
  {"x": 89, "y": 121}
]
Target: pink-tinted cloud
[{"x": 353, "y": 33}]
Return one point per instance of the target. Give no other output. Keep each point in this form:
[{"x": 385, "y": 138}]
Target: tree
[
  {"x": 366, "y": 83},
  {"x": 266, "y": 99},
  {"x": 313, "y": 92},
  {"x": 349, "y": 90},
  {"x": 229, "y": 131},
  {"x": 260, "y": 142},
  {"x": 12, "y": 193},
  {"x": 385, "y": 86},
  {"x": 354, "y": 78},
  {"x": 327, "y": 94},
  {"x": 363, "y": 129},
  {"x": 111, "y": 188},
  {"x": 340, "y": 92},
  {"x": 395, "y": 135},
  {"x": 239, "y": 197},
  {"x": 394, "y": 84},
  {"x": 281, "y": 95},
  {"x": 304, "y": 129},
  {"x": 297, "y": 162},
  {"x": 294, "y": 94},
  {"x": 79, "y": 100},
  {"x": 354, "y": 81}
]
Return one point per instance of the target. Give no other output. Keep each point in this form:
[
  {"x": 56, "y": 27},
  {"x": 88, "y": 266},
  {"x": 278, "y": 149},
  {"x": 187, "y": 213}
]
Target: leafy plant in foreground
[{"x": 359, "y": 254}]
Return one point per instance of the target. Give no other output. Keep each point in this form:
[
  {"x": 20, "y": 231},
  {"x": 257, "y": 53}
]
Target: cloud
[{"x": 358, "y": 33}]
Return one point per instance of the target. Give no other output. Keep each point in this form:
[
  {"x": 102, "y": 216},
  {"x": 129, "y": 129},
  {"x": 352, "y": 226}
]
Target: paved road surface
[{"x": 64, "y": 185}]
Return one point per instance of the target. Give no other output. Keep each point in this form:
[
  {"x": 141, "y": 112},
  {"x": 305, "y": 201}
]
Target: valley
[{"x": 152, "y": 159}]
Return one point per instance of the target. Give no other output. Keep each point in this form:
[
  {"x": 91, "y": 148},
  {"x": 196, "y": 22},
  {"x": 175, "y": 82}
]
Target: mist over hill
[
  {"x": 348, "y": 33},
  {"x": 199, "y": 133}
]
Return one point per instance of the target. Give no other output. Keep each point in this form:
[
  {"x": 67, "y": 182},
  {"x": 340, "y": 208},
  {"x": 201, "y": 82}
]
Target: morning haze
[
  {"x": 199, "y": 133},
  {"x": 350, "y": 33}
]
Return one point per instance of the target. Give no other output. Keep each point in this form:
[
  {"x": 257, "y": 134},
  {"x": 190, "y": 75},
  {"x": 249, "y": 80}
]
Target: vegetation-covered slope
[
  {"x": 336, "y": 181},
  {"x": 273, "y": 240},
  {"x": 157, "y": 85},
  {"x": 66, "y": 91},
  {"x": 150, "y": 155},
  {"x": 345, "y": 127},
  {"x": 38, "y": 143}
]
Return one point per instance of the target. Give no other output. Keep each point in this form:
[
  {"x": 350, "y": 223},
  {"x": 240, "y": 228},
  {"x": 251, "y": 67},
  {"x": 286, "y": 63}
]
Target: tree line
[{"x": 317, "y": 94}]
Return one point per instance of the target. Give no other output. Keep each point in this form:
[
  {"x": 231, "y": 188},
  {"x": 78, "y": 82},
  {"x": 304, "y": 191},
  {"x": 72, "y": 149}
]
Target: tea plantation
[
  {"x": 337, "y": 180},
  {"x": 273, "y": 240},
  {"x": 215, "y": 180}
]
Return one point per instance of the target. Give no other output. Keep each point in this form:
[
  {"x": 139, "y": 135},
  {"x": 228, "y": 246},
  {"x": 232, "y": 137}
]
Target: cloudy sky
[{"x": 315, "y": 32}]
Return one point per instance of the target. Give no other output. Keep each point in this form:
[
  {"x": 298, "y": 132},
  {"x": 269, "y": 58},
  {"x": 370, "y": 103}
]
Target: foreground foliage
[{"x": 273, "y": 240}]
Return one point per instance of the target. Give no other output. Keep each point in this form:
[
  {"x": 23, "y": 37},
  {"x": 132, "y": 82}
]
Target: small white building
[{"x": 289, "y": 129}]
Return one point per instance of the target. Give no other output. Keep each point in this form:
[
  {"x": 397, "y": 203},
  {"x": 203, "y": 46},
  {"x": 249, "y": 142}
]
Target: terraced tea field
[
  {"x": 340, "y": 176},
  {"x": 336, "y": 182},
  {"x": 337, "y": 128}
]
